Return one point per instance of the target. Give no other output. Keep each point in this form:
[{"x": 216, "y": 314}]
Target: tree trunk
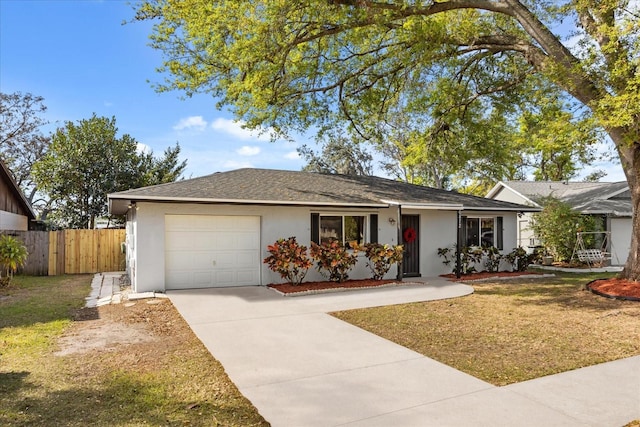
[{"x": 630, "y": 160}]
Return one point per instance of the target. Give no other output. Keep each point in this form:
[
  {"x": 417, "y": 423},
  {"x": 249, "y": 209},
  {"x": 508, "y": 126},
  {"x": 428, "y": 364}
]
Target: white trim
[
  {"x": 426, "y": 206},
  {"x": 242, "y": 201},
  {"x": 491, "y": 193},
  {"x": 615, "y": 193}
]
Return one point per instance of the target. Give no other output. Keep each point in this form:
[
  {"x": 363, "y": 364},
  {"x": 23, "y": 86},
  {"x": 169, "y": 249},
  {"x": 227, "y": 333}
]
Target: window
[
  {"x": 344, "y": 228},
  {"x": 485, "y": 232}
]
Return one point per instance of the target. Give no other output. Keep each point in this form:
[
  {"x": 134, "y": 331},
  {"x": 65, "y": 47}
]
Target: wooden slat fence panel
[
  {"x": 72, "y": 251},
  {"x": 93, "y": 251},
  {"x": 56, "y": 253},
  {"x": 37, "y": 243}
]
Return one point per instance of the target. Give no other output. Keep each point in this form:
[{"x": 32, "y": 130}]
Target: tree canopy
[
  {"x": 87, "y": 160},
  {"x": 285, "y": 63},
  {"x": 22, "y": 142}
]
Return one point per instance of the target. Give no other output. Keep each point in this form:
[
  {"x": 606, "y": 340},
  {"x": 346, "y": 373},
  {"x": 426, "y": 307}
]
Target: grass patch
[
  {"x": 167, "y": 378},
  {"x": 513, "y": 331}
]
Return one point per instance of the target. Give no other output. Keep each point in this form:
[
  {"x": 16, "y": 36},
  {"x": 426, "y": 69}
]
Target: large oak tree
[{"x": 285, "y": 63}]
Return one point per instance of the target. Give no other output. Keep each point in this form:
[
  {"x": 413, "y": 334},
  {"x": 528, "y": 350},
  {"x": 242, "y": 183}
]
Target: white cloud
[
  {"x": 292, "y": 155},
  {"x": 193, "y": 122},
  {"x": 248, "y": 151},
  {"x": 142, "y": 148},
  {"x": 234, "y": 128}
]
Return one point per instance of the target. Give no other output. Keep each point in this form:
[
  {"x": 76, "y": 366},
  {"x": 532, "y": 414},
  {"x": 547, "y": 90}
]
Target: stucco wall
[
  {"x": 621, "y": 229},
  {"x": 146, "y": 235},
  {"x": 507, "y": 195},
  {"x": 276, "y": 222},
  {"x": 11, "y": 221},
  {"x": 438, "y": 230}
]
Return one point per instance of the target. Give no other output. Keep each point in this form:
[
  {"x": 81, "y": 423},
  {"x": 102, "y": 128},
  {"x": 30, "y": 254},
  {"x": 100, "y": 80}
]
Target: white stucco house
[
  {"x": 16, "y": 213},
  {"x": 609, "y": 200},
  {"x": 213, "y": 231}
]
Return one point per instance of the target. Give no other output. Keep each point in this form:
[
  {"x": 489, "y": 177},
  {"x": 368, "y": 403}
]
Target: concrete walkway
[
  {"x": 301, "y": 367},
  {"x": 105, "y": 289}
]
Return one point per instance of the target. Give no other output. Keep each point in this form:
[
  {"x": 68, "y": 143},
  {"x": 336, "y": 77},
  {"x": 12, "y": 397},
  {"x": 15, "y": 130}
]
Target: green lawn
[
  {"x": 512, "y": 331},
  {"x": 170, "y": 379}
]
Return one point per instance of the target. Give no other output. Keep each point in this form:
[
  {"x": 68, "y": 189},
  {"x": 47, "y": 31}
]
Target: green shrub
[
  {"x": 382, "y": 257},
  {"x": 334, "y": 258},
  {"x": 471, "y": 256},
  {"x": 289, "y": 259},
  {"x": 13, "y": 254},
  {"x": 520, "y": 259},
  {"x": 492, "y": 258}
]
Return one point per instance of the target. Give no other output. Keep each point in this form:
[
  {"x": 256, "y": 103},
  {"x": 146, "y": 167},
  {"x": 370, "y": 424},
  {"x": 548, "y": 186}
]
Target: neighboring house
[
  {"x": 214, "y": 230},
  {"x": 15, "y": 211},
  {"x": 609, "y": 200}
]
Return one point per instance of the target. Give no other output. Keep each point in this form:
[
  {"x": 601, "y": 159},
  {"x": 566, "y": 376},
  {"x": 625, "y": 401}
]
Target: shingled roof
[
  {"x": 280, "y": 187},
  {"x": 611, "y": 198}
]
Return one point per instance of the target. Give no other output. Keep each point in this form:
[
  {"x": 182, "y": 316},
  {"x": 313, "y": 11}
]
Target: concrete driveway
[{"x": 302, "y": 367}]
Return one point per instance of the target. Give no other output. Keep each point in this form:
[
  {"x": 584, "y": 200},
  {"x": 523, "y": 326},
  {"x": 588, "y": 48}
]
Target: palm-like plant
[{"x": 13, "y": 254}]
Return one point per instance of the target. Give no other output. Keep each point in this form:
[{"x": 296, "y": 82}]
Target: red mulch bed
[
  {"x": 616, "y": 288},
  {"x": 286, "y": 288},
  {"x": 487, "y": 275}
]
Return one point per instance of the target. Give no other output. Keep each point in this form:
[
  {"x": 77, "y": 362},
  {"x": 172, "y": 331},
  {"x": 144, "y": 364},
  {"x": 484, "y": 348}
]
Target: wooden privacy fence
[
  {"x": 85, "y": 251},
  {"x": 72, "y": 251}
]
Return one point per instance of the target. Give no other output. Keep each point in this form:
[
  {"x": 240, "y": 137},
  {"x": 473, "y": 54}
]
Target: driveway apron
[{"x": 302, "y": 367}]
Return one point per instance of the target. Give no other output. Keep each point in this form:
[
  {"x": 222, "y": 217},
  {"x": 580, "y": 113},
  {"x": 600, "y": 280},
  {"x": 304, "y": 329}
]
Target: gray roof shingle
[
  {"x": 266, "y": 186},
  {"x": 587, "y": 197}
]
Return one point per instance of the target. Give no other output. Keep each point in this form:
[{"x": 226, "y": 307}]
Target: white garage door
[{"x": 204, "y": 251}]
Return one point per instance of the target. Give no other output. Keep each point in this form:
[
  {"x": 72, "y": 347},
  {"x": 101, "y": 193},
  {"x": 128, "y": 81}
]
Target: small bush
[
  {"x": 289, "y": 259},
  {"x": 492, "y": 258},
  {"x": 520, "y": 259},
  {"x": 470, "y": 257},
  {"x": 382, "y": 257},
  {"x": 334, "y": 258},
  {"x": 13, "y": 254}
]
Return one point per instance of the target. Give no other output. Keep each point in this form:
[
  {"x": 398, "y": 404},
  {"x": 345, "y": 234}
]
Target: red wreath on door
[{"x": 409, "y": 234}]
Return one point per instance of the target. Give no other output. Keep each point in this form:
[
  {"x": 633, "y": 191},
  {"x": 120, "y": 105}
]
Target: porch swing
[{"x": 596, "y": 256}]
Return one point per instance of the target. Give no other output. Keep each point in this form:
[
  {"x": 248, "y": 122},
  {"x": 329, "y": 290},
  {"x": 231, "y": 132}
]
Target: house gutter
[
  {"x": 426, "y": 206},
  {"x": 128, "y": 200}
]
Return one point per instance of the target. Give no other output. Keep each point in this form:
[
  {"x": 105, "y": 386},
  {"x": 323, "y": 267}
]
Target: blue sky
[{"x": 79, "y": 56}]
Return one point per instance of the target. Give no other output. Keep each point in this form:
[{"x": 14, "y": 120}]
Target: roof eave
[{"x": 117, "y": 208}]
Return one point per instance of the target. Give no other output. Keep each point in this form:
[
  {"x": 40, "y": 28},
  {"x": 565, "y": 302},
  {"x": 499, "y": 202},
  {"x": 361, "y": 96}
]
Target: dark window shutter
[
  {"x": 463, "y": 232},
  {"x": 315, "y": 228},
  {"x": 499, "y": 240},
  {"x": 373, "y": 228}
]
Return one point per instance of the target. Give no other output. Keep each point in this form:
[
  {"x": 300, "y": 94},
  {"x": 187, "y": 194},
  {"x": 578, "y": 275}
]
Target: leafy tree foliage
[
  {"x": 87, "y": 161},
  {"x": 152, "y": 170},
  {"x": 556, "y": 143},
  {"x": 285, "y": 64},
  {"x": 340, "y": 155},
  {"x": 557, "y": 226},
  {"x": 22, "y": 143}
]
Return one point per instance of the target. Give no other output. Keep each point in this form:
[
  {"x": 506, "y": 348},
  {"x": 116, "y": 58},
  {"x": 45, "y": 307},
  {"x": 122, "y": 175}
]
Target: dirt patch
[
  {"x": 616, "y": 288},
  {"x": 112, "y": 326},
  {"x": 96, "y": 334},
  {"x": 309, "y": 287}
]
